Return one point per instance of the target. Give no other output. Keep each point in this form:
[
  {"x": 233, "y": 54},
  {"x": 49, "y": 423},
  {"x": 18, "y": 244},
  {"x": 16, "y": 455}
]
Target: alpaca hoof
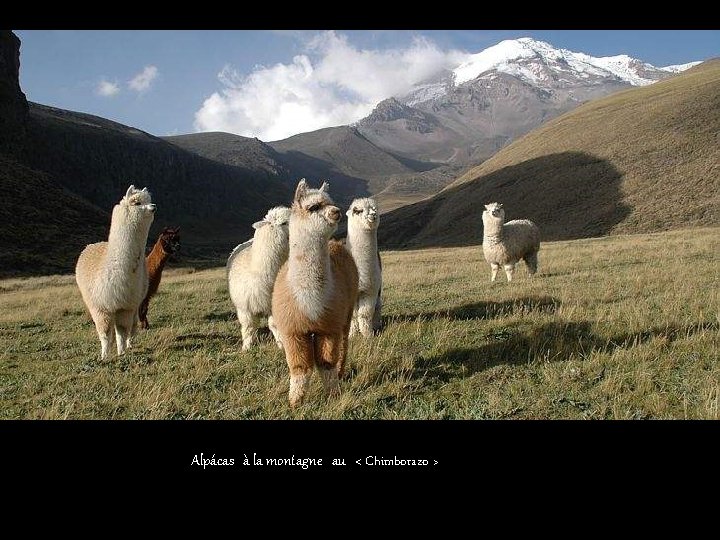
[
  {"x": 295, "y": 402},
  {"x": 246, "y": 347},
  {"x": 279, "y": 345}
]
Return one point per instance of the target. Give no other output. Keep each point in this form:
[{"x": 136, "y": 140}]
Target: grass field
[{"x": 624, "y": 327}]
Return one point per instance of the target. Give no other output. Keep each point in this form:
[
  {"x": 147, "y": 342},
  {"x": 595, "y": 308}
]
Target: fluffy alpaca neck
[
  {"x": 309, "y": 273},
  {"x": 362, "y": 243},
  {"x": 157, "y": 258},
  {"x": 492, "y": 231},
  {"x": 126, "y": 244},
  {"x": 268, "y": 260}
]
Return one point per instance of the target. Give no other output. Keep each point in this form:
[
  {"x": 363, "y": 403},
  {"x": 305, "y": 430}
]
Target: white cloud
[
  {"x": 106, "y": 88},
  {"x": 339, "y": 85},
  {"x": 142, "y": 81}
]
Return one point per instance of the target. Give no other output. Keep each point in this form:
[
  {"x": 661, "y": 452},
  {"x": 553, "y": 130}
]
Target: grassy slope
[
  {"x": 641, "y": 160},
  {"x": 618, "y": 327}
]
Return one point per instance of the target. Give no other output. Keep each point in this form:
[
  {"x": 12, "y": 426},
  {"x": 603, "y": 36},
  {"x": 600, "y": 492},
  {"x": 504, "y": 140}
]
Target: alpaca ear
[
  {"x": 259, "y": 224},
  {"x": 349, "y": 211},
  {"x": 301, "y": 190},
  {"x": 324, "y": 188},
  {"x": 130, "y": 190}
]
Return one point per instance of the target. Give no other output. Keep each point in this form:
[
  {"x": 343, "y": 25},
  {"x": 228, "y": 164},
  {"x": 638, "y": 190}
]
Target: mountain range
[
  {"x": 62, "y": 171},
  {"x": 642, "y": 160},
  {"x": 465, "y": 115}
]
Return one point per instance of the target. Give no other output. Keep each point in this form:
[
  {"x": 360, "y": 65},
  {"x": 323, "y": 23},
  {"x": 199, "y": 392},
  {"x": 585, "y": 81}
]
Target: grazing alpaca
[
  {"x": 315, "y": 293},
  {"x": 504, "y": 244},
  {"x": 361, "y": 242},
  {"x": 251, "y": 273},
  {"x": 167, "y": 244},
  {"x": 112, "y": 276}
]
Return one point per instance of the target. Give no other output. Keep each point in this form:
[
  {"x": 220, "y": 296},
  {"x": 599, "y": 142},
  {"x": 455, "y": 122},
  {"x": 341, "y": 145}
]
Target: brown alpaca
[
  {"x": 167, "y": 243},
  {"x": 314, "y": 294}
]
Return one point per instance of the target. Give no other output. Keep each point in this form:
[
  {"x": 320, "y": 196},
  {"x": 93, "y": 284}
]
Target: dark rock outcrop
[{"x": 13, "y": 104}]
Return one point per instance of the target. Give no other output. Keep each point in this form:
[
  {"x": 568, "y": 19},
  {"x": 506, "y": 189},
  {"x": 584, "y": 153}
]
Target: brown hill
[
  {"x": 641, "y": 160},
  {"x": 97, "y": 159},
  {"x": 44, "y": 227},
  {"x": 354, "y": 166},
  {"x": 251, "y": 153}
]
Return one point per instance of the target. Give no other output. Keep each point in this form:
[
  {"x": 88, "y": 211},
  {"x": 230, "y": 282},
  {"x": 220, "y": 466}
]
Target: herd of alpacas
[{"x": 315, "y": 292}]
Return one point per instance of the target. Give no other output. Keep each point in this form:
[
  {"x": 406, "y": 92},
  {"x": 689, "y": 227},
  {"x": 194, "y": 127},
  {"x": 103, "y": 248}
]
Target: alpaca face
[
  {"x": 275, "y": 222},
  {"x": 137, "y": 206},
  {"x": 314, "y": 211},
  {"x": 364, "y": 214},
  {"x": 277, "y": 217},
  {"x": 494, "y": 210},
  {"x": 170, "y": 239}
]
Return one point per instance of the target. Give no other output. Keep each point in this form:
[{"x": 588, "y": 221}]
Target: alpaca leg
[
  {"x": 344, "y": 346},
  {"x": 104, "y": 326},
  {"x": 495, "y": 269},
  {"x": 143, "y": 315},
  {"x": 531, "y": 261},
  {"x": 133, "y": 330},
  {"x": 299, "y": 357},
  {"x": 275, "y": 332},
  {"x": 354, "y": 324},
  {"x": 328, "y": 350},
  {"x": 248, "y": 329},
  {"x": 509, "y": 270},
  {"x": 124, "y": 321},
  {"x": 377, "y": 318},
  {"x": 365, "y": 310}
]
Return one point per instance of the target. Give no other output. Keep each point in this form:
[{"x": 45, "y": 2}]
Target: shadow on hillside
[
  {"x": 553, "y": 342},
  {"x": 568, "y": 195},
  {"x": 483, "y": 310}
]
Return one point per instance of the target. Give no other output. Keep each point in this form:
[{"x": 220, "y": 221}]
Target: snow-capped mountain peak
[
  {"x": 677, "y": 68},
  {"x": 466, "y": 112},
  {"x": 499, "y": 57},
  {"x": 525, "y": 58},
  {"x": 543, "y": 66}
]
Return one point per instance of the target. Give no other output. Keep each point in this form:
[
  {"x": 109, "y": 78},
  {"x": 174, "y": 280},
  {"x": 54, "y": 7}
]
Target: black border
[
  {"x": 549, "y": 450},
  {"x": 558, "y": 15}
]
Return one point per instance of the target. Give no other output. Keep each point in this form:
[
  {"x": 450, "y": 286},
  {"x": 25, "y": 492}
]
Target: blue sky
[{"x": 272, "y": 84}]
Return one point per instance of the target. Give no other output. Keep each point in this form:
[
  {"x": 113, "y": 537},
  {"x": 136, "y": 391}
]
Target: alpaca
[
  {"x": 112, "y": 276},
  {"x": 315, "y": 293},
  {"x": 363, "y": 222},
  {"x": 504, "y": 244},
  {"x": 167, "y": 244},
  {"x": 251, "y": 272}
]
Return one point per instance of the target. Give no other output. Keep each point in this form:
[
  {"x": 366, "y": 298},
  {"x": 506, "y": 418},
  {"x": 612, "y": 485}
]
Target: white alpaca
[
  {"x": 505, "y": 244},
  {"x": 112, "y": 276},
  {"x": 251, "y": 271},
  {"x": 363, "y": 222}
]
